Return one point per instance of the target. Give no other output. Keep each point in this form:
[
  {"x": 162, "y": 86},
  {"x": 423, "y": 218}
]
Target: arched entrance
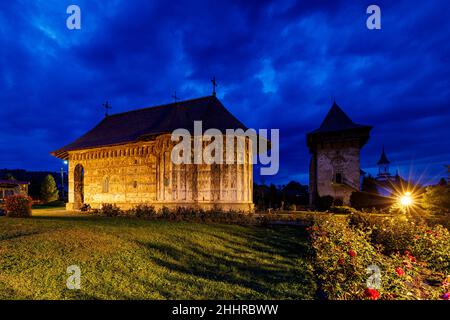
[{"x": 78, "y": 181}]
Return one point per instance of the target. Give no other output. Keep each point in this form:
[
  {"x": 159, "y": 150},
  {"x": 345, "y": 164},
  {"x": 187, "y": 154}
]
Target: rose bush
[
  {"x": 18, "y": 206},
  {"x": 343, "y": 253}
]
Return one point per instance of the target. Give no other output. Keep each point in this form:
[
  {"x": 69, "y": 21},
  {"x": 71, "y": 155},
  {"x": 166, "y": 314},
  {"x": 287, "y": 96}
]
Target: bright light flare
[{"x": 406, "y": 200}]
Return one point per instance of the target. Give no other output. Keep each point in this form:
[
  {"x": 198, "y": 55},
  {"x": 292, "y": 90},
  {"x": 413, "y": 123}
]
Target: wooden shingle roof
[{"x": 138, "y": 124}]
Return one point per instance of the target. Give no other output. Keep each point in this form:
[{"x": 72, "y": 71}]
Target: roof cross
[
  {"x": 175, "y": 97},
  {"x": 107, "y": 107},
  {"x": 214, "y": 83}
]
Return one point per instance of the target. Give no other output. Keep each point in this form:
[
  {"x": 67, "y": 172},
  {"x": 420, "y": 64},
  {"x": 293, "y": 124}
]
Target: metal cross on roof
[
  {"x": 175, "y": 97},
  {"x": 214, "y": 83},
  {"x": 107, "y": 107}
]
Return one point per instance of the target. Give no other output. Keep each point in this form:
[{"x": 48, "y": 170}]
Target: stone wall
[
  {"x": 335, "y": 170},
  {"x": 143, "y": 172}
]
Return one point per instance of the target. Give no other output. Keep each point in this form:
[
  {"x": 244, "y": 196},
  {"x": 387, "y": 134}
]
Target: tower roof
[
  {"x": 138, "y": 124},
  {"x": 337, "y": 126},
  {"x": 383, "y": 158},
  {"x": 337, "y": 120}
]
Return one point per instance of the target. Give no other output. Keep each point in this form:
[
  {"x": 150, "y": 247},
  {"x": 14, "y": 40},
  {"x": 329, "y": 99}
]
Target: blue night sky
[{"x": 279, "y": 64}]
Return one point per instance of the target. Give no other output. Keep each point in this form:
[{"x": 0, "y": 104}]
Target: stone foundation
[{"x": 244, "y": 207}]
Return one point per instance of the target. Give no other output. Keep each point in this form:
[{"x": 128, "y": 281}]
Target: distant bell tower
[
  {"x": 335, "y": 162},
  {"x": 383, "y": 166}
]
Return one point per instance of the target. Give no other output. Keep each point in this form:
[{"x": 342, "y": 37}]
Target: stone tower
[{"x": 335, "y": 162}]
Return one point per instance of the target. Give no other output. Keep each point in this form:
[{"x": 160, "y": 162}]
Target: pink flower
[{"x": 446, "y": 296}]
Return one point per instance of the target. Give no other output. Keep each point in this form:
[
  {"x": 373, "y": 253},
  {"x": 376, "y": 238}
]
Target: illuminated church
[{"x": 126, "y": 160}]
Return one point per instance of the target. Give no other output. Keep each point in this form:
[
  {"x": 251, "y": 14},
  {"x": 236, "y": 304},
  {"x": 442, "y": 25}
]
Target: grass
[{"x": 124, "y": 258}]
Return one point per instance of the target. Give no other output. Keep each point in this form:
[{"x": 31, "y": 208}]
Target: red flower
[
  {"x": 400, "y": 271},
  {"x": 410, "y": 256},
  {"x": 372, "y": 294},
  {"x": 341, "y": 261},
  {"x": 351, "y": 253},
  {"x": 446, "y": 296}
]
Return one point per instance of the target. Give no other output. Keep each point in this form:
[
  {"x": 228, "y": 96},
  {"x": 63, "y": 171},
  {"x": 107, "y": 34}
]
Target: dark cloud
[{"x": 279, "y": 65}]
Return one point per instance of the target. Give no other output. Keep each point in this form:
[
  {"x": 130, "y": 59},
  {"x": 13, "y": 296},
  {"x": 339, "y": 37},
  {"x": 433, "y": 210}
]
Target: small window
[
  {"x": 135, "y": 184},
  {"x": 338, "y": 177}
]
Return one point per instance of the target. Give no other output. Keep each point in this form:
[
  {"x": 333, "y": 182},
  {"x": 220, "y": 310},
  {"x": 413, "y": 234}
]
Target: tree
[
  {"x": 437, "y": 198},
  {"x": 49, "y": 191},
  {"x": 369, "y": 185},
  {"x": 9, "y": 176}
]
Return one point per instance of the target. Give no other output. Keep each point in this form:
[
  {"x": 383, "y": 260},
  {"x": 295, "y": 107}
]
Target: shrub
[
  {"x": 110, "y": 210},
  {"x": 437, "y": 199},
  {"x": 18, "y": 206},
  {"x": 291, "y": 207},
  {"x": 342, "y": 210},
  {"x": 341, "y": 258},
  {"x": 324, "y": 203},
  {"x": 343, "y": 254},
  {"x": 431, "y": 246},
  {"x": 144, "y": 211},
  {"x": 395, "y": 233},
  {"x": 405, "y": 234},
  {"x": 361, "y": 200}
]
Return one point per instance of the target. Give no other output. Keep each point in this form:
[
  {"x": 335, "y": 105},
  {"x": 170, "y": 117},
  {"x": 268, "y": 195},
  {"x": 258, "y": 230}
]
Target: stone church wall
[{"x": 127, "y": 175}]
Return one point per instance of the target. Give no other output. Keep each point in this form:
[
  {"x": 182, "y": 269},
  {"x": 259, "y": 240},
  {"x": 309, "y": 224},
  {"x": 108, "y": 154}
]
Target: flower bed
[{"x": 353, "y": 263}]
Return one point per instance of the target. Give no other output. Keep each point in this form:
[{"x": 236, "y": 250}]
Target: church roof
[
  {"x": 137, "y": 124},
  {"x": 337, "y": 120},
  {"x": 12, "y": 182},
  {"x": 383, "y": 158}
]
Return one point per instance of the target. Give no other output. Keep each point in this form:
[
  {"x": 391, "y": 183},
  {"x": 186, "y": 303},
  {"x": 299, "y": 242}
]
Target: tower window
[{"x": 338, "y": 177}]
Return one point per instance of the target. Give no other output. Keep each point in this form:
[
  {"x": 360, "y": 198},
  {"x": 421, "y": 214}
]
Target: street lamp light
[{"x": 406, "y": 199}]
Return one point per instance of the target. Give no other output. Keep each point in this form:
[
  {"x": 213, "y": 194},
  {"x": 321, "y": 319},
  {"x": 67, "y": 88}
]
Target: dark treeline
[
  {"x": 285, "y": 197},
  {"x": 35, "y": 178}
]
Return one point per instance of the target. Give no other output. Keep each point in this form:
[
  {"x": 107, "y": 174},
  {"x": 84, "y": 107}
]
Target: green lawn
[{"x": 134, "y": 259}]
